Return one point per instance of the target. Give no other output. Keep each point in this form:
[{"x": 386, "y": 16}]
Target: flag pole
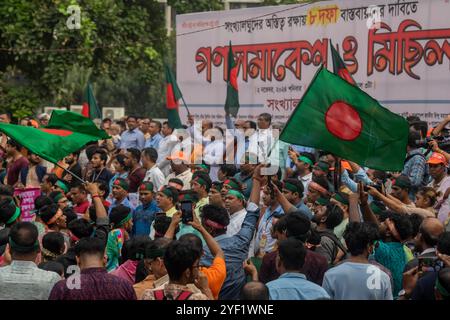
[
  {"x": 185, "y": 105},
  {"x": 71, "y": 173}
]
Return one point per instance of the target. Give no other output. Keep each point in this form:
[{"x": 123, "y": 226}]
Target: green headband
[
  {"x": 201, "y": 181},
  {"x": 14, "y": 216},
  {"x": 217, "y": 186},
  {"x": 203, "y": 166},
  {"x": 237, "y": 194},
  {"x": 147, "y": 186},
  {"x": 306, "y": 160},
  {"x": 441, "y": 288},
  {"x": 156, "y": 253},
  {"x": 291, "y": 187},
  {"x": 22, "y": 249},
  {"x": 232, "y": 184},
  {"x": 125, "y": 220},
  {"x": 62, "y": 185},
  {"x": 322, "y": 201},
  {"x": 58, "y": 197},
  {"x": 340, "y": 198},
  {"x": 168, "y": 193},
  {"x": 121, "y": 183}
]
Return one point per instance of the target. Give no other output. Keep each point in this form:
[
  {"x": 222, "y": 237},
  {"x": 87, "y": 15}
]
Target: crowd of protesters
[{"x": 109, "y": 223}]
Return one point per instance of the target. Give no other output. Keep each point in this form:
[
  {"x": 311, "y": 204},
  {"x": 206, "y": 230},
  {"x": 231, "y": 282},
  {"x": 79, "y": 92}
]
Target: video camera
[{"x": 443, "y": 142}]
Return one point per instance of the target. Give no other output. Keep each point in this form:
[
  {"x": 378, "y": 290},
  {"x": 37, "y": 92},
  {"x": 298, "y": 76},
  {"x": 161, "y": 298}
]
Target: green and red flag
[
  {"x": 338, "y": 117},
  {"x": 173, "y": 94},
  {"x": 90, "y": 108},
  {"x": 339, "y": 67},
  {"x": 66, "y": 132},
  {"x": 232, "y": 101}
]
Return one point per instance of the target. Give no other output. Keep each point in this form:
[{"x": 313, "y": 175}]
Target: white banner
[{"x": 403, "y": 60}]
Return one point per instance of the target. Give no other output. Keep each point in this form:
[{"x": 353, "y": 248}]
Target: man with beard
[
  {"x": 32, "y": 175},
  {"x": 17, "y": 162},
  {"x": 72, "y": 161},
  {"x": 441, "y": 182},
  {"x": 100, "y": 172},
  {"x": 245, "y": 176}
]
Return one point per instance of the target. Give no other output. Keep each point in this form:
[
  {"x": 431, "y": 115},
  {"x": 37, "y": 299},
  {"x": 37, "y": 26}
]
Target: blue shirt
[
  {"x": 294, "y": 286},
  {"x": 304, "y": 210},
  {"x": 132, "y": 139},
  {"x": 235, "y": 249},
  {"x": 143, "y": 217},
  {"x": 153, "y": 142},
  {"x": 416, "y": 170},
  {"x": 126, "y": 202},
  {"x": 265, "y": 225}
]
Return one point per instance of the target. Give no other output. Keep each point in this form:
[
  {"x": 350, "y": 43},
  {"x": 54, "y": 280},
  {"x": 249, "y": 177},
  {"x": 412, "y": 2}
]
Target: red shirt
[
  {"x": 80, "y": 209},
  {"x": 14, "y": 169}
]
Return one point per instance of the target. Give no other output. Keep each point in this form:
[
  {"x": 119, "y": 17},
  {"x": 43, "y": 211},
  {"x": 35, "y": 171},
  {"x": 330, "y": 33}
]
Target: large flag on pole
[
  {"x": 336, "y": 116},
  {"x": 90, "y": 108},
  {"x": 66, "y": 132},
  {"x": 232, "y": 101},
  {"x": 339, "y": 67},
  {"x": 173, "y": 94}
]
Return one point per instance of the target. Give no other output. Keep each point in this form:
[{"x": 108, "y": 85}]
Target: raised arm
[{"x": 212, "y": 244}]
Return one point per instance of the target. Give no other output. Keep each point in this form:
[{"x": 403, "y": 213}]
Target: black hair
[
  {"x": 141, "y": 272},
  {"x": 134, "y": 249},
  {"x": 416, "y": 221},
  {"x": 7, "y": 210},
  {"x": 168, "y": 125},
  {"x": 25, "y": 236},
  {"x": 132, "y": 116},
  {"x": 178, "y": 257},
  {"x": 14, "y": 144},
  {"x": 216, "y": 214},
  {"x": 103, "y": 186},
  {"x": 8, "y": 114},
  {"x": 90, "y": 246},
  {"x": 297, "y": 226},
  {"x": 52, "y": 178},
  {"x": 161, "y": 225},
  {"x": 252, "y": 124},
  {"x": 229, "y": 170},
  {"x": 194, "y": 241},
  {"x": 121, "y": 160},
  {"x": 412, "y": 138},
  {"x": 52, "y": 266},
  {"x": 41, "y": 202},
  {"x": 48, "y": 212},
  {"x": 266, "y": 116},
  {"x": 118, "y": 213},
  {"x": 280, "y": 226},
  {"x": 151, "y": 153},
  {"x": 254, "y": 290},
  {"x": 4, "y": 238},
  {"x": 70, "y": 214},
  {"x": 106, "y": 120},
  {"x": 402, "y": 224},
  {"x": 92, "y": 214},
  {"x": 158, "y": 124},
  {"x": 177, "y": 181},
  {"x": 102, "y": 153},
  {"x": 205, "y": 177},
  {"x": 53, "y": 194},
  {"x": 81, "y": 228},
  {"x": 6, "y": 190},
  {"x": 444, "y": 280},
  {"x": 298, "y": 184},
  {"x": 359, "y": 235},
  {"x": 321, "y": 181},
  {"x": 135, "y": 153},
  {"x": 54, "y": 243},
  {"x": 335, "y": 215},
  {"x": 292, "y": 253},
  {"x": 157, "y": 244},
  {"x": 122, "y": 124},
  {"x": 91, "y": 150},
  {"x": 443, "y": 245}
]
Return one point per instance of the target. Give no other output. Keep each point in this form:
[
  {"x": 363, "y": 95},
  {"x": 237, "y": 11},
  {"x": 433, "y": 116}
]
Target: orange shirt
[{"x": 216, "y": 275}]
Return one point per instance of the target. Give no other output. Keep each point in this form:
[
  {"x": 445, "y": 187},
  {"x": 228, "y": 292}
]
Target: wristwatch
[{"x": 402, "y": 293}]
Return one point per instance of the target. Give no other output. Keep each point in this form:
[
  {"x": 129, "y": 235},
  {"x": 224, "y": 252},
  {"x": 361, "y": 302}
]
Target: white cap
[{"x": 44, "y": 115}]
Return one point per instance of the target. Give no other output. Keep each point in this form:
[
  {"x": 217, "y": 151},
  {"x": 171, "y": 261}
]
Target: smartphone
[
  {"x": 186, "y": 211},
  {"x": 429, "y": 264}
]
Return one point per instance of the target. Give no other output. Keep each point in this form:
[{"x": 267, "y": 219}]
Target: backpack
[
  {"x": 329, "y": 234},
  {"x": 160, "y": 295}
]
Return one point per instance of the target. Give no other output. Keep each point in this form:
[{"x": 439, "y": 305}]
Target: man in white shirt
[
  {"x": 304, "y": 164},
  {"x": 234, "y": 203},
  {"x": 180, "y": 170},
  {"x": 213, "y": 152},
  {"x": 441, "y": 182},
  {"x": 165, "y": 148},
  {"x": 153, "y": 174}
]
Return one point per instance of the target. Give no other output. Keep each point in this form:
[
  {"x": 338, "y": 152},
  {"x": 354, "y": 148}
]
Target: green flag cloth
[
  {"x": 339, "y": 67},
  {"x": 338, "y": 117},
  {"x": 90, "y": 108},
  {"x": 66, "y": 132},
  {"x": 232, "y": 101},
  {"x": 173, "y": 94}
]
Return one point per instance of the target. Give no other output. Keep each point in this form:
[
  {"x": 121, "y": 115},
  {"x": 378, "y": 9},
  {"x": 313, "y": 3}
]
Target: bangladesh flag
[
  {"x": 232, "y": 101},
  {"x": 339, "y": 67},
  {"x": 66, "y": 132},
  {"x": 90, "y": 108},
  {"x": 341, "y": 118},
  {"x": 173, "y": 94}
]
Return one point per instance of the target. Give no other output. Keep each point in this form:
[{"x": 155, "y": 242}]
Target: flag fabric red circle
[
  {"x": 343, "y": 121},
  {"x": 58, "y": 132}
]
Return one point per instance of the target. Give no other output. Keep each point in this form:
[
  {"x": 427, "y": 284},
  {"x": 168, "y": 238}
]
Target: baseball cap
[{"x": 437, "y": 158}]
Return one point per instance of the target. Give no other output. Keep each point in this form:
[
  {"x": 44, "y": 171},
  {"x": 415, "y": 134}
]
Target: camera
[
  {"x": 186, "y": 211},
  {"x": 377, "y": 186},
  {"x": 443, "y": 142}
]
